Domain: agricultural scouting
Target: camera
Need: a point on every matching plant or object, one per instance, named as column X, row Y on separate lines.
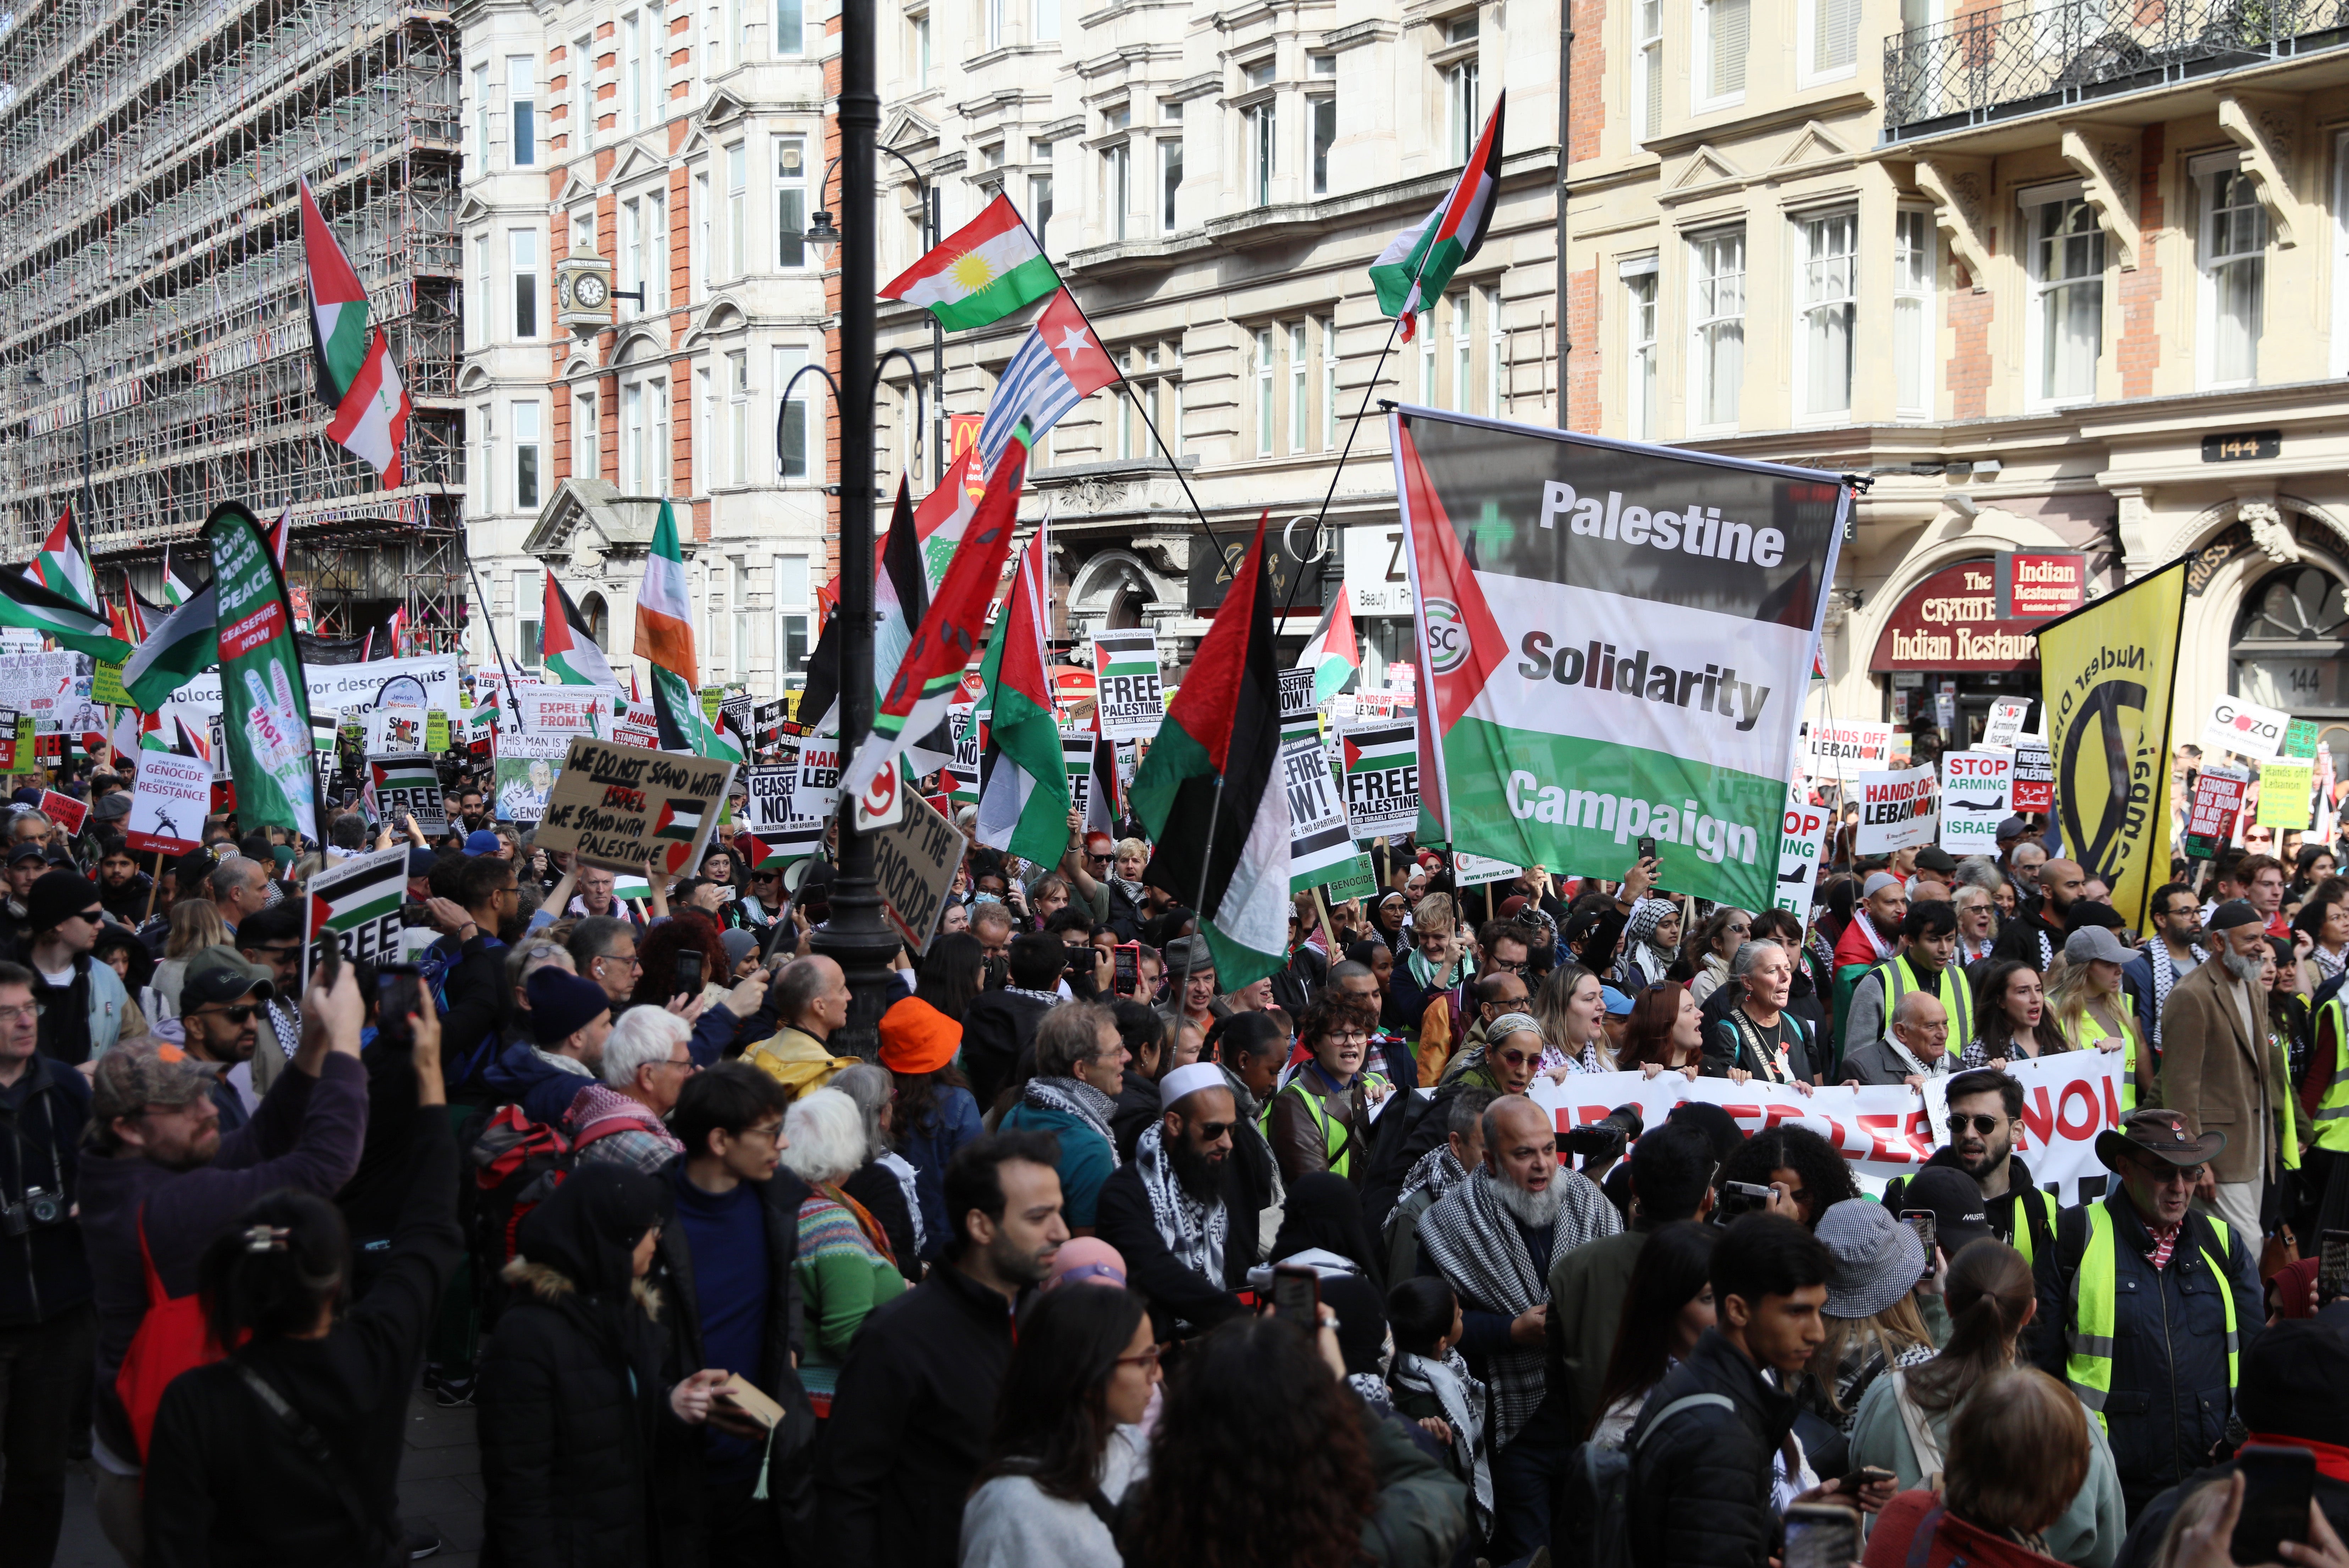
column 1605, row 1138
column 39, row 1206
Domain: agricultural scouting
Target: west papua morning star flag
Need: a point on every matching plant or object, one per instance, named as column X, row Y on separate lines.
column 1058, row 364
column 1418, row 262
column 1615, row 641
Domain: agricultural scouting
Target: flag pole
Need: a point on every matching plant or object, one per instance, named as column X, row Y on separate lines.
column 492, row 623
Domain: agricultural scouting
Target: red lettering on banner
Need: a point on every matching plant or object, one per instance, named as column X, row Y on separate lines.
column 2112, row 1103
column 2038, row 1119
column 1774, row 1114
column 2089, row 1124
column 1887, row 1139
column 1742, row 1114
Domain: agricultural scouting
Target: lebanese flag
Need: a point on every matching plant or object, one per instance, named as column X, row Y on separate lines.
column 372, row 421
column 1211, row 793
column 338, row 307
column 568, row 651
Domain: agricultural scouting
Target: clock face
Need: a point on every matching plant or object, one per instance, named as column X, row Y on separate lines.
column 589, row 291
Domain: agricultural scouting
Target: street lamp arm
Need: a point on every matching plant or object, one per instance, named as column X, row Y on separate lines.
column 783, row 403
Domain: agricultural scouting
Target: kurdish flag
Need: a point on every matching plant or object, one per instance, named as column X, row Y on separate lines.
column 338, row 306
column 355, row 902
column 1023, row 806
column 981, row 272
column 62, row 565
column 25, row 603
column 371, row 422
column 951, row 629
column 1332, row 652
column 569, row 653
column 1419, row 261
column 175, row 652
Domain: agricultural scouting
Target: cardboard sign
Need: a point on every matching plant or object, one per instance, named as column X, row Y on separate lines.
column 2285, row 794
column 1800, row 841
column 2219, row 791
column 2245, row 728
column 1974, row 789
column 1899, row 809
column 817, row 794
column 523, row 777
column 2033, row 787
column 1846, row 750
column 410, row 783
column 913, row 864
column 621, row 807
column 168, row 803
column 1381, row 773
column 1126, row 688
column 64, row 811
column 1319, row 839
column 355, row 904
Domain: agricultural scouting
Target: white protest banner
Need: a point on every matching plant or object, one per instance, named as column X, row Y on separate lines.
column 621, row 806
column 2033, row 787
column 1799, row 843
column 1319, row 841
column 1846, row 750
column 410, row 784
column 817, row 794
column 390, row 730
column 527, row 766
column 2245, row 728
column 357, row 902
column 1974, row 787
column 1131, row 701
column 1475, row 871
column 1898, row 809
column 431, row 681
column 569, row 710
column 2005, row 726
column 1382, row 763
column 168, row 802
column 772, row 790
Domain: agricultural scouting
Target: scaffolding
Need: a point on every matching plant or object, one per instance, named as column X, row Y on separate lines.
column 150, row 244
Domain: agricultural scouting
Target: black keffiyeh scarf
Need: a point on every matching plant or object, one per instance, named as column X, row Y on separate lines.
column 1194, row 1232
column 1075, row 1097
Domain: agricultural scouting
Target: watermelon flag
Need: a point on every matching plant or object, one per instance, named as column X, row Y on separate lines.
column 950, row 632
column 665, row 638
column 371, row 422
column 1332, row 652
column 338, row 306
column 76, row 625
column 570, row 653
column 1023, row 806
column 62, row 565
column 1419, row 261
column 1058, row 364
column 1211, row 793
column 175, row 652
column 981, row 272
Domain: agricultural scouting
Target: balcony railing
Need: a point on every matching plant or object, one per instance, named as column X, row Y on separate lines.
column 1999, row 61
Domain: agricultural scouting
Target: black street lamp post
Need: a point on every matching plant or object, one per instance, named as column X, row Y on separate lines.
column 822, row 236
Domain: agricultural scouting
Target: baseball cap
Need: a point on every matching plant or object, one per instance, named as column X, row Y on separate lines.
column 479, row 842
column 219, row 974
column 420, row 863
column 130, row 1077
column 1959, row 1216
column 1618, row 1006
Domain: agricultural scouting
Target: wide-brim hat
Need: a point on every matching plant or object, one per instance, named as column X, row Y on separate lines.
column 2160, row 1133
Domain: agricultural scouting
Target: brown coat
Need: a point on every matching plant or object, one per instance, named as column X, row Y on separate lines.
column 2212, row 1075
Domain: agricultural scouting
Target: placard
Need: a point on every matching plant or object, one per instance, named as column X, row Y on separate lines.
column 10, row 722
column 1381, row 769
column 106, row 687
column 1360, row 881
column 523, row 775
column 2300, row 740
column 1126, row 690
column 64, row 811
column 913, row 865
column 637, row 723
column 410, row 783
column 817, row 794
column 51, row 688
column 2005, row 726
column 168, row 803
column 2285, row 794
column 622, row 807
column 569, row 710
column 1318, row 838
column 1296, row 695
column 2245, row 728
column 1475, row 871
column 1800, row 841
column 356, row 903
column 772, row 790
column 436, row 731
column 1846, row 749
column 1077, row 758
column 1899, row 809
column 1975, row 790
column 2033, row 787
column 395, row 731
column 2219, row 791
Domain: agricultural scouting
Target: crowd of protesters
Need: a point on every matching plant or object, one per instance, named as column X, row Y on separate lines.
column 1067, row 1252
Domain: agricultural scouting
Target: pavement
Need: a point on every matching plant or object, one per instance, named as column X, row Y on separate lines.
column 440, row 1490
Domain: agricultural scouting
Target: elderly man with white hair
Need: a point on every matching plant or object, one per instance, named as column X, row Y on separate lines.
column 621, row 1121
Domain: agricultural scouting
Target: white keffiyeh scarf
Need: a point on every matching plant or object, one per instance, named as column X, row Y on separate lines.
column 1075, row 1097
column 1436, row 1173
column 2165, row 975
column 1466, row 1403
column 1194, row 1232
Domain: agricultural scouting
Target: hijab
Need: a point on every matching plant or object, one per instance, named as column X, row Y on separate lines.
column 1324, row 1211
column 587, row 1232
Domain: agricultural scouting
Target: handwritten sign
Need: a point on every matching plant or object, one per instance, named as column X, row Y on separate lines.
column 621, row 807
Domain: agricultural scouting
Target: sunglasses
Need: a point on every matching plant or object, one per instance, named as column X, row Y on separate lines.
column 1985, row 1125
column 236, row 1014
column 1209, row 1131
column 1517, row 1059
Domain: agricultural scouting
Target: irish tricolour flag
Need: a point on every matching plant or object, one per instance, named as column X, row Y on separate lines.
column 1419, row 261
column 981, row 272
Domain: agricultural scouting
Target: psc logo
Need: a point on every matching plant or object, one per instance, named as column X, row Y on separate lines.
column 2227, row 716
column 1447, row 636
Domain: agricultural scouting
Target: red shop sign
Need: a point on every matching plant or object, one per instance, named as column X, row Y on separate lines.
column 1950, row 622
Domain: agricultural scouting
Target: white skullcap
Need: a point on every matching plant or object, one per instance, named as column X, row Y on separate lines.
column 1188, row 1080
column 1878, row 882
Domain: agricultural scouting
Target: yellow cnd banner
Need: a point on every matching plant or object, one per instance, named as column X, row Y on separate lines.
column 2106, row 672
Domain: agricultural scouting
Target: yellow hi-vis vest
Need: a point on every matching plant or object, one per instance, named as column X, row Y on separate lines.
column 2095, row 1312
column 2025, row 1200
column 2092, row 1034
column 1956, row 996
column 1334, row 1136
column 2332, row 1114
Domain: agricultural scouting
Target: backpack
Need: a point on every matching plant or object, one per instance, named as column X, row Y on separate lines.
column 518, row 1164
column 1593, row 1524
column 173, row 1338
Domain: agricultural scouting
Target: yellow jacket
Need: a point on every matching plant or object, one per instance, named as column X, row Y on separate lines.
column 796, row 1059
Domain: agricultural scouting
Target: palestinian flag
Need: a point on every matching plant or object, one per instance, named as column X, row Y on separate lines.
column 1102, row 803
column 679, row 819
column 175, row 593
column 155, row 734
column 1332, row 652
column 338, row 306
column 371, row 421
column 62, row 565
column 819, row 704
column 931, row 671
column 1023, row 804
column 175, row 652
column 981, row 272
column 279, row 535
column 570, row 654
column 26, row 602
column 1418, row 262
column 1211, row 794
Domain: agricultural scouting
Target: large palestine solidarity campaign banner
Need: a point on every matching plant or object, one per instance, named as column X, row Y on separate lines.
column 1615, row 642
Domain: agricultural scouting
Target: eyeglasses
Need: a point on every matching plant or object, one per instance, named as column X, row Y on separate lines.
column 1146, row 1358
column 1985, row 1125
column 2162, row 1173
column 1343, row 1035
column 26, row 1012
column 687, row 1063
column 1517, row 1059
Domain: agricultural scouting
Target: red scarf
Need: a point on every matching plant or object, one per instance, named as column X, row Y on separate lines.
column 2332, row 1460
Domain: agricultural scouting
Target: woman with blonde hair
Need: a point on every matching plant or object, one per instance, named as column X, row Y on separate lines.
column 196, row 925
column 2084, row 998
column 1571, row 1007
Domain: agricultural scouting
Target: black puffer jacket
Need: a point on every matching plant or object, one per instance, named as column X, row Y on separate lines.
column 1700, row 1486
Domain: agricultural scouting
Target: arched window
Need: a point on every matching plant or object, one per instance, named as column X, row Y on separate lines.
column 2292, row 651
